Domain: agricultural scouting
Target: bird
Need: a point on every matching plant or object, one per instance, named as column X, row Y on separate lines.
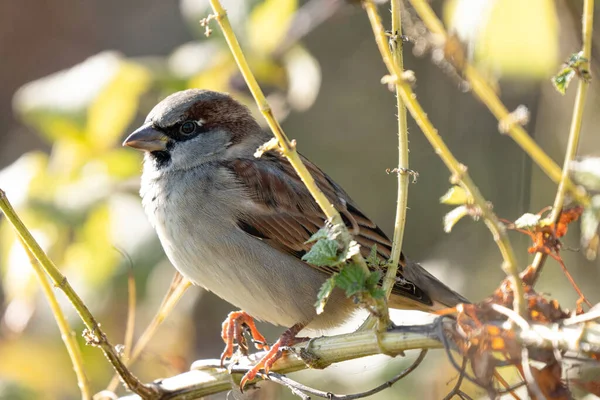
column 238, row 225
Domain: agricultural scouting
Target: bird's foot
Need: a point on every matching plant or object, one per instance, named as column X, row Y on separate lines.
column 287, row 339
column 233, row 332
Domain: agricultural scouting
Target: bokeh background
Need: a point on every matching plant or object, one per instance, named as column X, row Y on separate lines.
column 76, row 77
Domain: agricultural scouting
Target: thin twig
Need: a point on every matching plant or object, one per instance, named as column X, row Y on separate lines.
column 95, row 336
column 487, row 95
column 66, row 333
column 130, row 326
column 177, row 288
column 403, row 178
column 296, row 386
column 575, row 130
column 461, row 375
column 287, row 147
column 458, row 170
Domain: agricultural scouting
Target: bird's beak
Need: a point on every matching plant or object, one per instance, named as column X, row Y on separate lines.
column 147, row 138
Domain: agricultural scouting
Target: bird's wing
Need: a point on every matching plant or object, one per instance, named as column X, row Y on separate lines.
column 284, row 214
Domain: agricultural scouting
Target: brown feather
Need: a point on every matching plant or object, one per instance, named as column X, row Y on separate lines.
column 286, row 215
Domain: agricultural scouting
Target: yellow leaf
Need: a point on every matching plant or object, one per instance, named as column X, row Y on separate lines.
column 92, row 255
column 215, row 78
column 116, row 105
column 456, row 195
column 513, row 37
column 268, row 25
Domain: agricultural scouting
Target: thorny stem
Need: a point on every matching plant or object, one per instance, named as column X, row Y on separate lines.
column 66, row 333
column 487, row 95
column 97, row 336
column 287, row 147
column 575, row 130
column 459, row 171
column 403, row 178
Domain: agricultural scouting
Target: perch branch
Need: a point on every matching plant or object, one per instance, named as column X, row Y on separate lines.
column 208, row 378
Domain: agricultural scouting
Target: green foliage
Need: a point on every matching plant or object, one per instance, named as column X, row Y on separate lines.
column 324, row 293
column 324, row 253
column 329, row 251
column 576, row 66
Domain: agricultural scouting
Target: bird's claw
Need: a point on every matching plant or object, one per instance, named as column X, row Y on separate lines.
column 233, row 332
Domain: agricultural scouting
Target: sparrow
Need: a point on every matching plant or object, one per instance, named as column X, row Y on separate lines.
column 238, row 225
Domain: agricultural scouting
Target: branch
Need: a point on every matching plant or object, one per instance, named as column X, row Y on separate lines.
column 403, row 176
column 487, row 95
column 459, row 171
column 94, row 335
column 208, row 378
column 575, row 130
column 66, row 333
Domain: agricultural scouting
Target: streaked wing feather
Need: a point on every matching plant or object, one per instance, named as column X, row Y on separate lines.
column 285, row 215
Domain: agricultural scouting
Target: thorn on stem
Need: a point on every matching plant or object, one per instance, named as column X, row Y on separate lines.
column 458, row 176
column 205, row 21
column 404, row 171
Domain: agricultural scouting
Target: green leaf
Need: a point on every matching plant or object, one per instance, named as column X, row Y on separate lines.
column 324, row 293
column 373, row 259
column 562, row 79
column 373, row 279
column 323, row 253
column 576, row 65
column 116, row 105
column 322, row 233
column 351, row 279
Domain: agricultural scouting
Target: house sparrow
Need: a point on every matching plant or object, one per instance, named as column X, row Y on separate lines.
column 237, row 225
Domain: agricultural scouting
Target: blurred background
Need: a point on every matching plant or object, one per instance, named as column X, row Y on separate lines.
column 77, row 77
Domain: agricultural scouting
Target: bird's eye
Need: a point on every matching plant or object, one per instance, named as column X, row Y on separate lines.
column 188, row 128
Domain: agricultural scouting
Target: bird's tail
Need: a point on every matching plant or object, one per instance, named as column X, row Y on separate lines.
column 440, row 294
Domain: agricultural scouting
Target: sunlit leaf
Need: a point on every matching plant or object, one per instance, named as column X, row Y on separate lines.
column 586, row 172
column 268, row 24
column 116, row 105
column 451, row 218
column 324, row 293
column 215, row 78
column 92, row 254
column 577, row 65
column 56, row 105
column 456, row 195
column 511, row 37
column 323, row 253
